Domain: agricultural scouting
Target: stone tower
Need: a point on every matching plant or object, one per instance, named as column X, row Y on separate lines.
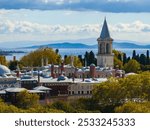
column 105, row 57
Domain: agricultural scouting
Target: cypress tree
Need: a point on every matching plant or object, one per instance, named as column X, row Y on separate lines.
column 124, row 58
column 147, row 58
column 134, row 54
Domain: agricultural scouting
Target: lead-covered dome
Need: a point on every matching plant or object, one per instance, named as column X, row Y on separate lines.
column 61, row 78
column 4, row 70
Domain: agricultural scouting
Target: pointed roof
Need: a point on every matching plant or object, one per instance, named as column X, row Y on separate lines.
column 105, row 31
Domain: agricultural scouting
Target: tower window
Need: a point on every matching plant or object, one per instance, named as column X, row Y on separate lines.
column 100, row 48
column 107, row 48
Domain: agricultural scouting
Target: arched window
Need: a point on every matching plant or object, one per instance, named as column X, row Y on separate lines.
column 100, row 48
column 107, row 48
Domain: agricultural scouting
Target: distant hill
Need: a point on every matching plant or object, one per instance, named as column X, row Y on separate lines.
column 129, row 45
column 64, row 45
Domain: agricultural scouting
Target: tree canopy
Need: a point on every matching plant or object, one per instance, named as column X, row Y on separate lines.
column 3, row 60
column 76, row 61
column 118, row 91
column 132, row 66
column 35, row 58
column 26, row 100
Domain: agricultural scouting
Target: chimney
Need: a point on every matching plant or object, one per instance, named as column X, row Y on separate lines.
column 17, row 74
column 72, row 60
column 92, row 71
column 62, row 67
column 18, row 71
column 14, row 58
column 73, row 76
column 38, row 76
column 32, row 72
column 42, row 62
column 83, row 76
column 46, row 62
column 52, row 70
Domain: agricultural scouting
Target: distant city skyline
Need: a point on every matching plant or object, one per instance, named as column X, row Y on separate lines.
column 69, row 20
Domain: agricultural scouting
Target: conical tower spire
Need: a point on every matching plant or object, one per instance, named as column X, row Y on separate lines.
column 105, row 31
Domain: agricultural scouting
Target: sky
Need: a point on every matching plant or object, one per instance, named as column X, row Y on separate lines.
column 73, row 20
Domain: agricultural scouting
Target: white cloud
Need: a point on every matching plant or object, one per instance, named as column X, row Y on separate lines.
column 8, row 26
column 135, row 27
column 59, row 2
column 34, row 31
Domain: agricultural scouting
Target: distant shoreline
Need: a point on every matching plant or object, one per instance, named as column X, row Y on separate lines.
column 9, row 53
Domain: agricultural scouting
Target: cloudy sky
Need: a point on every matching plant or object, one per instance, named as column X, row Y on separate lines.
column 68, row 20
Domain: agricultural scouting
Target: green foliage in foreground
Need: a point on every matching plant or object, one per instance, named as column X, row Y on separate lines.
column 130, row 88
column 133, row 107
column 26, row 100
column 129, row 94
column 6, row 108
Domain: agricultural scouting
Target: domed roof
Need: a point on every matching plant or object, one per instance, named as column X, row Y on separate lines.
column 92, row 64
column 4, row 70
column 61, row 77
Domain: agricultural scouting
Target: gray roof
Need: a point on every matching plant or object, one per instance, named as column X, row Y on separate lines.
column 15, row 90
column 105, row 31
column 36, row 91
column 42, row 88
column 2, row 92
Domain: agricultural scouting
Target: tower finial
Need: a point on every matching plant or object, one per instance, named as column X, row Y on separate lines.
column 105, row 32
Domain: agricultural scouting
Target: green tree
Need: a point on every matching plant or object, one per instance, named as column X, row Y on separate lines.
column 3, row 60
column 5, row 108
column 64, row 106
column 118, row 63
column 85, row 105
column 115, row 92
column 13, row 65
column 76, row 61
column 142, row 59
column 86, row 58
column 124, row 58
column 133, row 107
column 134, row 54
column 34, row 58
column 147, row 58
column 26, row 100
column 110, row 92
column 92, row 59
column 132, row 66
column 118, row 59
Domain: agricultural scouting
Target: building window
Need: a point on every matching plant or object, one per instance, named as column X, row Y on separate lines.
column 78, row 92
column 69, row 93
column 82, row 92
column 87, row 92
column 72, row 92
column 107, row 48
column 100, row 48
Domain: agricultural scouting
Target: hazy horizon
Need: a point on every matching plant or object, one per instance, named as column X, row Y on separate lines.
column 91, row 41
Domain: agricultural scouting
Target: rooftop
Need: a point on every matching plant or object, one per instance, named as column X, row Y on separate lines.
column 105, row 31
